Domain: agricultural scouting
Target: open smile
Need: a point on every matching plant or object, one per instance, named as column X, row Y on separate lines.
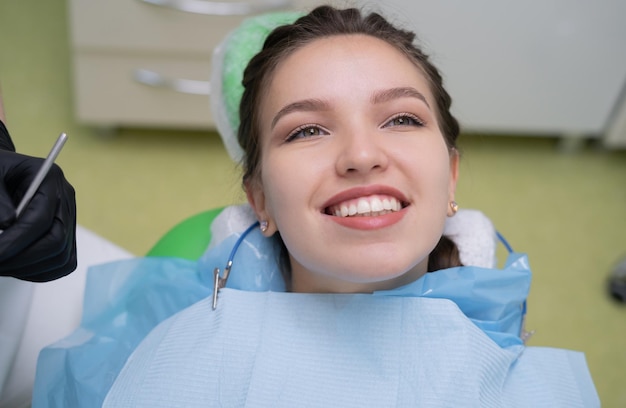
column 369, row 206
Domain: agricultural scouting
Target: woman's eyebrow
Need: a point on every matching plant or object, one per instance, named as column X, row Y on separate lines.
column 396, row 93
column 306, row 105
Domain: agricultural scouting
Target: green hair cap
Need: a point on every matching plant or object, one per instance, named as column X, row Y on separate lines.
column 230, row 59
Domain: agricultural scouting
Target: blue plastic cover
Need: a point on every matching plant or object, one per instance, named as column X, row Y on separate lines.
column 126, row 300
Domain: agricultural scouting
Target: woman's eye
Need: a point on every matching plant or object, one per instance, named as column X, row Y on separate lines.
column 404, row 120
column 306, row 131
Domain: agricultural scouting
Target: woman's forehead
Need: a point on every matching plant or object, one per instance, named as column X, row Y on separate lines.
column 354, row 63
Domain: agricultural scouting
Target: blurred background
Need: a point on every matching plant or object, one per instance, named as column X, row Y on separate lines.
column 140, row 164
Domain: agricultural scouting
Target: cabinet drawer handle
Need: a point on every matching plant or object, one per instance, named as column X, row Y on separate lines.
column 156, row 80
column 219, row 8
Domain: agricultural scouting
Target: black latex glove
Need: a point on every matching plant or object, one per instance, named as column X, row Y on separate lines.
column 41, row 244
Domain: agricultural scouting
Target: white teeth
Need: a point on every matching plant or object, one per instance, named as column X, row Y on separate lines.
column 376, row 204
column 363, row 206
column 370, row 206
column 395, row 205
column 352, row 210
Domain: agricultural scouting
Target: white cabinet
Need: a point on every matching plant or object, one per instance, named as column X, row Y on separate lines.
column 615, row 136
column 530, row 67
column 148, row 62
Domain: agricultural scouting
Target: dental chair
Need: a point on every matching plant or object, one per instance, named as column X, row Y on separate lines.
column 33, row 316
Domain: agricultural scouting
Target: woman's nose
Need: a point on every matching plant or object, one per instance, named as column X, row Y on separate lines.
column 361, row 153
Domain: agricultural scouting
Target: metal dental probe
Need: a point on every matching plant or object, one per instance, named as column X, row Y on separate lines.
column 41, row 174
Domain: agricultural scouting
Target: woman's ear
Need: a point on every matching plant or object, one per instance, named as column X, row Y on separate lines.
column 454, row 173
column 256, row 199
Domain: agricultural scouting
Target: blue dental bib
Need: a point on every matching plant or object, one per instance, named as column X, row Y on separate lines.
column 149, row 337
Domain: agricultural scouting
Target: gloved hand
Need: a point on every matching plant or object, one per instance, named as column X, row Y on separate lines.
column 41, row 244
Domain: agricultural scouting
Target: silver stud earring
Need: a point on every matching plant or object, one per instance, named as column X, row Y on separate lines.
column 264, row 225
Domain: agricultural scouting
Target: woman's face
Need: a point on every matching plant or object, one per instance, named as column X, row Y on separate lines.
column 355, row 174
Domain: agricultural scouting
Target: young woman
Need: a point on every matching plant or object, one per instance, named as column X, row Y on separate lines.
column 350, row 167
column 350, row 152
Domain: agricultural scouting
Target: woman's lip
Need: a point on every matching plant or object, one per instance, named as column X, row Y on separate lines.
column 364, row 191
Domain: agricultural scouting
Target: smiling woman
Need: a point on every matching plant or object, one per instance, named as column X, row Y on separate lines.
column 364, row 134
column 348, row 293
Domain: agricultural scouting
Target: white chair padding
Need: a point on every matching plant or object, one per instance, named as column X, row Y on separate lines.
column 47, row 312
